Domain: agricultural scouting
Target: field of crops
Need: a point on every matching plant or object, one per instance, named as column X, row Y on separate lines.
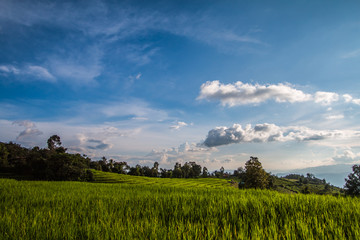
column 144, row 208
column 106, row 177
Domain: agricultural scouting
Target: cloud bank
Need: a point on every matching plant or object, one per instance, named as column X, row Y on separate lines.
column 240, row 93
column 29, row 132
column 270, row 133
column 243, row 93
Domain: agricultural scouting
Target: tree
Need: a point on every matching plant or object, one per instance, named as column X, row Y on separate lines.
column 3, row 156
column 195, row 170
column 120, row 167
column 104, row 164
column 155, row 170
column 54, row 143
column 255, row 175
column 239, row 173
column 352, row 184
column 177, row 172
column 222, row 170
column 205, row 172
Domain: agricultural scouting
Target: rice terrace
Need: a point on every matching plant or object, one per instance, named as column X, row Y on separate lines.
column 183, row 209
column 110, row 204
column 178, row 119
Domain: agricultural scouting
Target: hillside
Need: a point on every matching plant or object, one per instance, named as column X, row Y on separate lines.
column 106, row 177
column 286, row 185
column 283, row 185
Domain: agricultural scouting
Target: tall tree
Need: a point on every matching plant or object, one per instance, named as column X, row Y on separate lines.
column 255, row 175
column 205, row 172
column 54, row 143
column 352, row 184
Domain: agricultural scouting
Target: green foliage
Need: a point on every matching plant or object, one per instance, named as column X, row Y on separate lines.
column 105, row 177
column 75, row 210
column 352, row 184
column 54, row 142
column 255, row 175
column 43, row 164
column 295, row 183
column 3, row 156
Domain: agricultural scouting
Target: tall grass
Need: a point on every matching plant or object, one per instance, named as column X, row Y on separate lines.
column 74, row 210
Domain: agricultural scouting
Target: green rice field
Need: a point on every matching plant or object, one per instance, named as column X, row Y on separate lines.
column 127, row 207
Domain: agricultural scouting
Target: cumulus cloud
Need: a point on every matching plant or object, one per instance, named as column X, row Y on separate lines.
column 184, row 153
column 244, row 93
column 168, row 157
column 239, row 93
column 347, row 156
column 29, row 132
column 326, row 98
column 269, row 133
column 178, row 125
column 349, row 99
column 100, row 139
column 87, row 143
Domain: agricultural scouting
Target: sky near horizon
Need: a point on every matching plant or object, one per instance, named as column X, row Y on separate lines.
column 174, row 81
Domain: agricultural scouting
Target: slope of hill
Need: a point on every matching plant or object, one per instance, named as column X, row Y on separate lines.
column 282, row 185
column 285, row 185
column 107, row 177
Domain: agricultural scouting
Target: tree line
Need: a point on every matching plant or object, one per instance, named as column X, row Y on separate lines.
column 54, row 163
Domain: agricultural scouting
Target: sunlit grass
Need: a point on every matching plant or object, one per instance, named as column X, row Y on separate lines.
column 160, row 210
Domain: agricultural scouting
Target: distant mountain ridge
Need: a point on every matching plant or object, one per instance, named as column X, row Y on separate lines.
column 334, row 174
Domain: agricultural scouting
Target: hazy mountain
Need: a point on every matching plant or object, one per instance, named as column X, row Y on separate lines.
column 334, row 174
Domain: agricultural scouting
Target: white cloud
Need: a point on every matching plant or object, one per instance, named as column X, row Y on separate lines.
column 347, row 156
column 139, row 54
column 138, row 76
column 138, row 109
column 178, row 125
column 40, row 72
column 140, row 118
column 349, row 99
column 239, row 93
column 96, row 140
column 37, row 72
column 326, row 98
column 78, row 68
column 335, row 117
column 9, row 69
column 243, row 93
column 132, row 79
column 271, row 133
column 29, row 132
column 186, row 152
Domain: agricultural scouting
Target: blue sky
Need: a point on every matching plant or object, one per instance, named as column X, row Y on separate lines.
column 172, row 81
